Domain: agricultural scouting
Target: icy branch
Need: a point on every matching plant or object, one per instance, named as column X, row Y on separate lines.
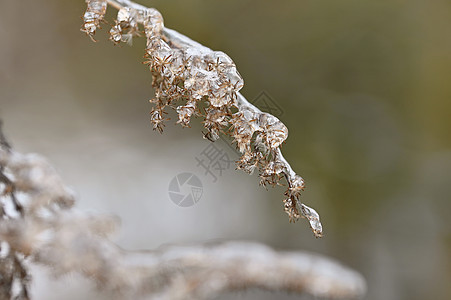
column 185, row 73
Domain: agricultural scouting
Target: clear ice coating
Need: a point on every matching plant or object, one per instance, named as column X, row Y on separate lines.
column 185, row 73
column 248, row 121
column 125, row 15
column 116, row 33
column 185, row 112
column 296, row 185
column 152, row 21
column 126, row 26
column 275, row 131
column 93, row 16
column 273, row 168
column 312, row 216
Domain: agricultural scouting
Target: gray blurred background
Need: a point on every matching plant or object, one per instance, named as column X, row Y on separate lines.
column 364, row 88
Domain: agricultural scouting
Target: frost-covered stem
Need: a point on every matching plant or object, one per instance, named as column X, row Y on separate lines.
column 52, row 233
column 309, row 213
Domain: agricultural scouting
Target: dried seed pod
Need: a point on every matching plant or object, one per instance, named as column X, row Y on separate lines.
column 157, row 119
column 126, row 26
column 94, row 14
column 271, row 173
column 291, row 209
column 153, row 25
column 297, row 185
column 275, row 132
column 249, row 162
column 215, row 120
column 185, row 112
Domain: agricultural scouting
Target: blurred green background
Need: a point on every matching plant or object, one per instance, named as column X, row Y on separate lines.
column 365, row 89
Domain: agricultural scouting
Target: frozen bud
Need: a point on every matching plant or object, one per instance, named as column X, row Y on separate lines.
column 156, row 118
column 177, row 63
column 248, row 162
column 153, row 23
column 244, row 126
column 273, row 167
column 216, row 116
column 297, row 185
column 160, row 58
column 270, row 173
column 275, row 131
column 126, row 25
column 215, row 119
column 124, row 15
column 243, row 142
column 152, row 44
column 243, row 137
column 199, row 83
column 218, row 101
column 161, row 50
column 291, row 209
column 94, row 14
column 228, row 71
column 210, row 76
column 185, row 112
column 195, row 60
column 116, row 34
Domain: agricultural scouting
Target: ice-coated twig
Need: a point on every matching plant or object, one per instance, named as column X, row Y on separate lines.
column 186, row 73
column 50, row 231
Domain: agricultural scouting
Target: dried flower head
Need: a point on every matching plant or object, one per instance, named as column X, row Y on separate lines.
column 93, row 16
column 126, row 26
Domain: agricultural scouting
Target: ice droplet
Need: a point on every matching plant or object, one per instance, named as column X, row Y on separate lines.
column 312, row 216
column 276, row 132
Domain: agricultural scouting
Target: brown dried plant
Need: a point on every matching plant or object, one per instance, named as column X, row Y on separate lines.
column 185, row 73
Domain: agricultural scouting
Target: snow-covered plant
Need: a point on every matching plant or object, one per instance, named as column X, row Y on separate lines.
column 40, row 225
column 186, row 74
